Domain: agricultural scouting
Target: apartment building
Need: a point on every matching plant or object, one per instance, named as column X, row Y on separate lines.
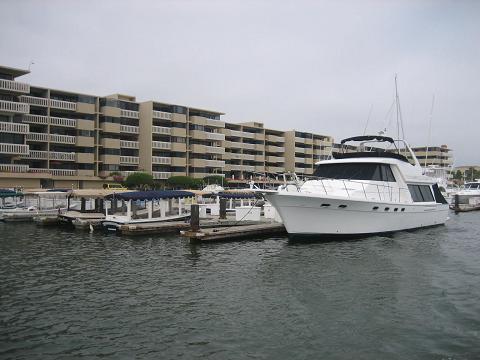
column 303, row 150
column 57, row 138
column 434, row 155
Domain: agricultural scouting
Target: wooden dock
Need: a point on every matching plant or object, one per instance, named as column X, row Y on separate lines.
column 228, row 233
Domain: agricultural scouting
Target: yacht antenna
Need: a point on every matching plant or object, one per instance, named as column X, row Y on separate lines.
column 396, row 105
column 399, row 114
column 368, row 119
column 429, row 129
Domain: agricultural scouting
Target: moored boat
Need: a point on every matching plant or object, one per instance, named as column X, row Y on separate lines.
column 362, row 193
column 467, row 199
column 37, row 203
column 146, row 207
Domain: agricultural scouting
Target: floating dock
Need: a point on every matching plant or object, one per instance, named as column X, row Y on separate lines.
column 228, row 233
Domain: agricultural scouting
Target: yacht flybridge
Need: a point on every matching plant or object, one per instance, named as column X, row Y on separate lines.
column 374, row 190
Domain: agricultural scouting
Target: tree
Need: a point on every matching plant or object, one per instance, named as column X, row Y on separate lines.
column 458, row 175
column 183, row 182
column 139, row 180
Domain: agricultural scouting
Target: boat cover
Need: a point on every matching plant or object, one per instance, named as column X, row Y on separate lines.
column 238, row 195
column 368, row 138
column 151, row 195
column 4, row 193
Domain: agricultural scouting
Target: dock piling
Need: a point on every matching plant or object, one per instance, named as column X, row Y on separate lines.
column 223, row 208
column 195, row 217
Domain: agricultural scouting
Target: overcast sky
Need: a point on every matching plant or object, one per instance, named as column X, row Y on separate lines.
column 316, row 66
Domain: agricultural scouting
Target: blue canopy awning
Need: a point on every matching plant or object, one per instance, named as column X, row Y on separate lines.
column 238, row 195
column 150, row 195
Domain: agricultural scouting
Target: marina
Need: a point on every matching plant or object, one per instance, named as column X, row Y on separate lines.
column 63, row 291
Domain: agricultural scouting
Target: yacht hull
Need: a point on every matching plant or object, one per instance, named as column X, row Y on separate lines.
column 305, row 214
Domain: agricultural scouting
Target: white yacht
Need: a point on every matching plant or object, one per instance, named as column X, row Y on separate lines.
column 468, row 199
column 362, row 193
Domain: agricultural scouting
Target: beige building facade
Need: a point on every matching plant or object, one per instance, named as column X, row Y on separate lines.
column 56, row 138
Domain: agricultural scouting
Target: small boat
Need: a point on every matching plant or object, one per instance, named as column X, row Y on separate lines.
column 372, row 191
column 85, row 207
column 146, row 207
column 467, row 199
column 37, row 203
column 10, row 199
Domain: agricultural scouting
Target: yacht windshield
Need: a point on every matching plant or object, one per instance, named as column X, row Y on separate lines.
column 356, row 171
column 473, row 186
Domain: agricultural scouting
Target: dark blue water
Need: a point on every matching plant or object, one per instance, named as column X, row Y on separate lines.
column 66, row 294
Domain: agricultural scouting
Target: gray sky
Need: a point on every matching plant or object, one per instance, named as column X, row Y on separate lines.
column 310, row 65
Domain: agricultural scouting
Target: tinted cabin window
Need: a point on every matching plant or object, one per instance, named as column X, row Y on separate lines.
column 421, row 193
column 353, row 171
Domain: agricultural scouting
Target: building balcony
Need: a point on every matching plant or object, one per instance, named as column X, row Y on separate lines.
column 13, row 168
column 161, row 145
column 63, row 139
column 129, row 160
column 214, row 163
column 128, row 144
column 233, row 145
column 65, row 105
column 14, row 107
column 129, row 114
column 34, row 100
column 214, row 150
column 62, row 156
column 52, row 155
column 58, row 121
column 63, row 172
column 39, row 170
column 275, row 159
column 35, row 119
column 161, row 130
column 248, row 157
column 14, row 149
column 161, row 175
column 37, row 137
column 248, row 146
column 236, row 167
column 13, row 128
column 275, row 138
column 129, row 129
column 14, row 86
column 234, row 156
column 162, row 160
column 214, row 136
column 275, row 169
column 125, row 174
column 36, row 155
column 277, row 149
column 215, row 123
column 162, row 115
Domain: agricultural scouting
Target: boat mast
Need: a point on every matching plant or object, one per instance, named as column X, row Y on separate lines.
column 429, row 129
column 399, row 115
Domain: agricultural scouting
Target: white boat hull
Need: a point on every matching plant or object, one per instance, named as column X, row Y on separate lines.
column 307, row 214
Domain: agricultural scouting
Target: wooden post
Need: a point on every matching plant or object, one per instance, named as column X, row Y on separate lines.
column 101, row 205
column 457, row 202
column 223, row 208
column 129, row 209
column 195, row 217
column 134, row 209
column 82, row 204
column 150, row 208
column 68, row 203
